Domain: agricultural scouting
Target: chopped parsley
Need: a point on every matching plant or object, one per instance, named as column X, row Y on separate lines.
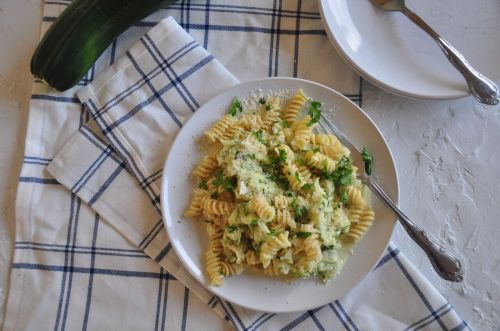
column 232, row 228
column 315, row 150
column 282, row 156
column 368, row 159
column 303, row 234
column 273, row 232
column 307, row 186
column 214, row 195
column 268, row 107
column 203, row 185
column 301, row 213
column 285, row 124
column 344, row 198
column 314, row 112
column 252, row 156
column 297, row 175
column 259, row 136
column 262, row 101
column 228, row 183
column 342, row 175
column 254, row 222
column 235, row 107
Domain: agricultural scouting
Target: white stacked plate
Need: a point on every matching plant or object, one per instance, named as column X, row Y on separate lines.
column 390, row 51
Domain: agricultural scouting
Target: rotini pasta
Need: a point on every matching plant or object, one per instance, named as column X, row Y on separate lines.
column 277, row 197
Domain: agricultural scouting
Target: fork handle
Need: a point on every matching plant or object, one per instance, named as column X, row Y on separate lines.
column 482, row 88
column 443, row 261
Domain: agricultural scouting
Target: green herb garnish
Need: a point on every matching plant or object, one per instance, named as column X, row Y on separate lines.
column 235, row 107
column 254, row 222
column 203, row 185
column 297, row 175
column 301, row 212
column 262, row 101
column 368, row 159
column 303, row 234
column 259, row 136
column 285, row 124
column 282, row 156
column 268, row 107
column 314, row 112
column 307, row 186
column 344, row 197
column 214, row 195
column 232, row 228
column 315, row 150
column 342, row 175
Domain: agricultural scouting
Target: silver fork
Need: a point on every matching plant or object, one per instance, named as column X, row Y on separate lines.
column 444, row 262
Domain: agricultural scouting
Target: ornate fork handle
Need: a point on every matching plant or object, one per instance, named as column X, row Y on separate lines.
column 443, row 261
column 482, row 88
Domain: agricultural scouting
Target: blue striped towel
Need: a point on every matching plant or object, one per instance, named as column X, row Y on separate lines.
column 91, row 250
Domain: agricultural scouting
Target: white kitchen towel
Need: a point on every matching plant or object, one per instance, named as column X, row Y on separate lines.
column 139, row 104
column 76, row 269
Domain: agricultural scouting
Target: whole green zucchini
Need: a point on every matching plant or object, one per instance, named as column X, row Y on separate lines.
column 81, row 34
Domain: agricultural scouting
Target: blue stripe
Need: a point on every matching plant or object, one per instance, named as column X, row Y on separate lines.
column 63, row 282
column 461, row 326
column 91, row 277
column 165, row 301
column 297, row 29
column 41, row 159
column 72, row 263
column 426, row 318
column 416, row 288
column 152, row 74
column 36, row 162
column 86, row 270
column 124, row 153
column 185, row 308
column 258, row 319
column 341, row 318
column 316, row 321
column 54, row 98
column 385, row 259
column 55, row 250
column 263, row 321
column 150, row 236
column 297, row 321
column 152, row 178
column 97, row 142
column 433, row 320
column 164, row 252
column 278, row 28
column 346, row 315
column 156, row 96
column 107, row 183
column 162, row 62
column 78, row 247
column 271, row 45
column 158, row 300
column 36, row 180
column 91, row 170
column 235, row 314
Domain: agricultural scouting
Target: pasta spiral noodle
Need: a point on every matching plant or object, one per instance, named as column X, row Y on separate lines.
column 302, row 134
column 262, row 208
column 320, row 161
column 357, row 230
column 281, row 202
column 206, row 167
column 283, row 219
column 294, row 107
column 271, row 246
column 217, row 131
column 289, row 154
column 223, row 208
column 355, row 197
column 250, row 122
column 272, row 269
column 194, row 209
column 294, row 177
column 229, row 269
column 251, row 257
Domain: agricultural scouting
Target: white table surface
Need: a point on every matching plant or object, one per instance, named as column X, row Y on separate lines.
column 446, row 152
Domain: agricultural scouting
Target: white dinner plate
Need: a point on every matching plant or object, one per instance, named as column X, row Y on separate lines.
column 390, row 51
column 260, row 292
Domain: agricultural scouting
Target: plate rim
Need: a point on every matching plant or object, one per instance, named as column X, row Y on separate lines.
column 372, row 79
column 163, row 193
